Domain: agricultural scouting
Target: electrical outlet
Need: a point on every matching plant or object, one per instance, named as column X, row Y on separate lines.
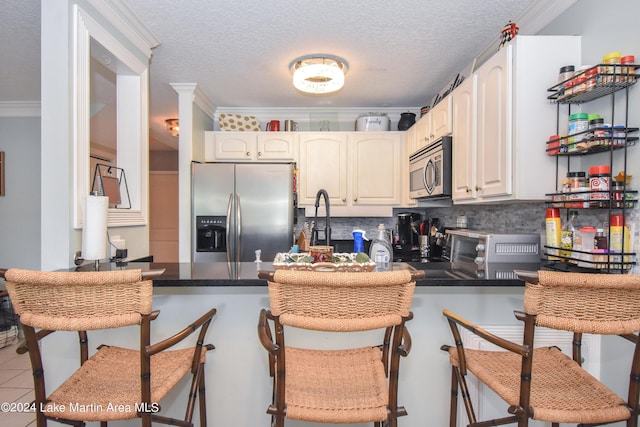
column 121, row 253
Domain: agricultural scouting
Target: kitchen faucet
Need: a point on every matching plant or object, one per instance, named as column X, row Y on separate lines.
column 327, row 225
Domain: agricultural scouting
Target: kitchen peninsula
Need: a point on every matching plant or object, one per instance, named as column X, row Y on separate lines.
column 238, row 383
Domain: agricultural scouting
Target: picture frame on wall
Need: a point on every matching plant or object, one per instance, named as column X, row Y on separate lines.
column 1, row 173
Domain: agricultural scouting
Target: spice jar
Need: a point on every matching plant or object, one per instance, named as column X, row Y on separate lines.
column 596, row 128
column 599, row 179
column 552, row 145
column 617, row 194
column 619, row 135
column 628, row 71
column 591, row 76
column 577, row 188
column 600, row 240
column 578, row 125
column 566, row 73
column 608, row 70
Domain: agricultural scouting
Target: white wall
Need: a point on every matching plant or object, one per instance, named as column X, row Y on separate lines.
column 20, row 207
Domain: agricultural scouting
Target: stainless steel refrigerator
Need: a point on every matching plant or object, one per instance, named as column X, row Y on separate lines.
column 239, row 208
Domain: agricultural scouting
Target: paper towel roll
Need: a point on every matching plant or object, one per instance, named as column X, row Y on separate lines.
column 94, row 231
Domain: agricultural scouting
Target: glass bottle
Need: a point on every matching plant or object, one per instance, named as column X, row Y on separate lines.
column 568, row 236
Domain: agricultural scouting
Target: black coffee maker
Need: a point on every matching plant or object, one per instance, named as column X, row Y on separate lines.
column 408, row 228
column 407, row 247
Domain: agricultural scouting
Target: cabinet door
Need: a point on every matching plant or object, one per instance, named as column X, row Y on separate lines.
column 275, row 146
column 323, row 165
column 235, row 146
column 376, row 177
column 464, row 142
column 410, row 140
column 440, row 120
column 493, row 144
column 423, row 131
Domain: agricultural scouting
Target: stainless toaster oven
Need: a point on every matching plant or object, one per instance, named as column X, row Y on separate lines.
column 482, row 252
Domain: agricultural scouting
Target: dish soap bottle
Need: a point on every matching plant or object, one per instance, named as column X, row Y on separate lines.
column 380, row 251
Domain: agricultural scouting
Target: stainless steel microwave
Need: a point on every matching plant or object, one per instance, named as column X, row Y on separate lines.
column 430, row 171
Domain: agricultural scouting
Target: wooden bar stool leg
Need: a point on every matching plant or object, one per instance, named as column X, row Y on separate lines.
column 202, row 398
column 453, row 409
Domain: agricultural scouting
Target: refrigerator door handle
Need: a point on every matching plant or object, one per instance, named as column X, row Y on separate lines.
column 238, row 227
column 228, row 228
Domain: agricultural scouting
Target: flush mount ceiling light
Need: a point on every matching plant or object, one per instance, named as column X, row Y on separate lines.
column 172, row 127
column 318, row 74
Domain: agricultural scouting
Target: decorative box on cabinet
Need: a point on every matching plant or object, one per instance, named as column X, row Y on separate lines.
column 509, row 118
column 249, row 146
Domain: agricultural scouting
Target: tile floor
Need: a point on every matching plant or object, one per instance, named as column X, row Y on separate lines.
column 16, row 385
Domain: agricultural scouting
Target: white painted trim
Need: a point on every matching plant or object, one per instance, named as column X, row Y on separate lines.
column 530, row 22
column 199, row 98
column 125, row 21
column 19, row 108
column 133, row 134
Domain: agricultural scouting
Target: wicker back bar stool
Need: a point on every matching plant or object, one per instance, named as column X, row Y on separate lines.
column 115, row 383
column 352, row 385
column 543, row 383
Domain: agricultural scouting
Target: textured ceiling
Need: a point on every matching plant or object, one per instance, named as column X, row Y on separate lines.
column 400, row 52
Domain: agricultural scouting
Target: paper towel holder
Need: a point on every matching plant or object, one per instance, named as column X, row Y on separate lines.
column 78, row 260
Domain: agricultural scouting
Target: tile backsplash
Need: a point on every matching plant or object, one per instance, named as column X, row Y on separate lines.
column 514, row 217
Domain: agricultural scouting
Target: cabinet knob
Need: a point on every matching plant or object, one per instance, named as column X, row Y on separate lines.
column 259, row 153
column 478, row 188
column 467, row 189
column 355, row 199
column 248, row 154
column 344, row 200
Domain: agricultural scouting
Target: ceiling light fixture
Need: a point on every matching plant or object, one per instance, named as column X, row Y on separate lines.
column 172, row 127
column 318, row 74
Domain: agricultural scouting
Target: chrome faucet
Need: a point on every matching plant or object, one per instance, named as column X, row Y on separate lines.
column 327, row 225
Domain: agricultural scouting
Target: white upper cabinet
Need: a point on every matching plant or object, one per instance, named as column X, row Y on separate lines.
column 376, row 173
column 422, row 132
column 323, row 165
column 464, row 165
column 433, row 125
column 440, row 120
column 249, row 146
column 361, row 171
column 493, row 144
column 502, row 119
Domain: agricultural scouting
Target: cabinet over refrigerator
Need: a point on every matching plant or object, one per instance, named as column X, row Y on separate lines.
column 239, row 208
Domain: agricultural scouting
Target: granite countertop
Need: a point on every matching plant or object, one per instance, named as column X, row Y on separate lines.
column 246, row 273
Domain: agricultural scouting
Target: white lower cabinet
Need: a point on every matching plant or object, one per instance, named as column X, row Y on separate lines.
column 249, row 146
column 361, row 171
column 501, row 120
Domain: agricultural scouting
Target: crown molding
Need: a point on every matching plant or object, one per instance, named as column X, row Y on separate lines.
column 530, row 22
column 126, row 22
column 199, row 98
column 20, row 109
